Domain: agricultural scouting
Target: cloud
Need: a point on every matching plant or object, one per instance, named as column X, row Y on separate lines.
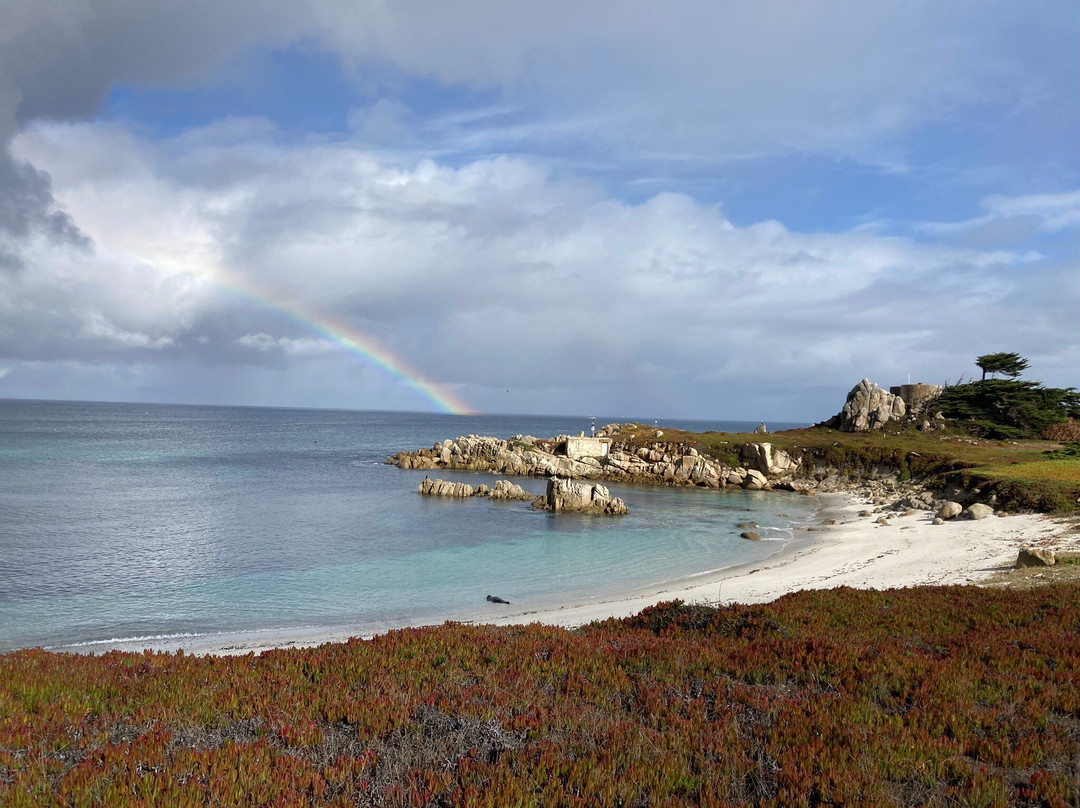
column 60, row 58
column 4, row 372
column 498, row 274
column 98, row 327
column 1050, row 213
column 291, row 347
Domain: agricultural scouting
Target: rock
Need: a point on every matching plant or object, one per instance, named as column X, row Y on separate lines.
column 978, row 511
column 829, row 521
column 736, row 476
column 881, row 520
column 755, row 481
column 866, row 513
column 746, row 525
column 924, row 426
column 504, row 489
column 444, row 488
column 659, row 433
column 481, row 491
column 869, row 407
column 566, row 495
column 1033, row 557
column 950, row 510
column 769, row 461
column 909, row 512
column 761, row 429
column 938, row 521
column 751, row 535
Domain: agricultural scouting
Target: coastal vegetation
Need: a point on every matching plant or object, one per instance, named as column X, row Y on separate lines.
column 931, row 696
column 1022, row 475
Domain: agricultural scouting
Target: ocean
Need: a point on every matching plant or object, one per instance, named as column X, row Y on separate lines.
column 143, row 522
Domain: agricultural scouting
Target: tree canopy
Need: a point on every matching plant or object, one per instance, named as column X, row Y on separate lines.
column 1007, row 364
column 1009, row 408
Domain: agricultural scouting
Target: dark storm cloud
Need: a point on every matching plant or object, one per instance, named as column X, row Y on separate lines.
column 60, row 58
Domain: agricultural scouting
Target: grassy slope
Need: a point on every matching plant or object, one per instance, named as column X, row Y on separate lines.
column 1019, row 471
column 947, row 696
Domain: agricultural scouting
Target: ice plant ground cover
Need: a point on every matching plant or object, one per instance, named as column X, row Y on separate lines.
column 931, row 696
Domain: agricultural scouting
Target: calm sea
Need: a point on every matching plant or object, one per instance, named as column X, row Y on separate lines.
column 122, row 521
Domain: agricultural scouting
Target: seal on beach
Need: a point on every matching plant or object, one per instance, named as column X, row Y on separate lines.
column 495, row 599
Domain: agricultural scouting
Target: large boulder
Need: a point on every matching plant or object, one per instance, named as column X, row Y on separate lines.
column 566, row 495
column 978, row 511
column 769, row 461
column 1034, row 557
column 755, row 481
column 950, row 510
column 869, row 407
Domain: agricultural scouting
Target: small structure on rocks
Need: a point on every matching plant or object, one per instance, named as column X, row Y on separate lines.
column 916, row 396
column 580, row 447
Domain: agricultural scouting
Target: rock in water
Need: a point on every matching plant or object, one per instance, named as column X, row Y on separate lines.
column 751, row 535
column 755, row 481
column 444, row 488
column 566, row 495
column 504, row 489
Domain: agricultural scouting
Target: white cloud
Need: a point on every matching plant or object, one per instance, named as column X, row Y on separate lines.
column 4, row 372
column 305, row 346
column 1050, row 213
column 96, row 326
column 1053, row 211
column 495, row 275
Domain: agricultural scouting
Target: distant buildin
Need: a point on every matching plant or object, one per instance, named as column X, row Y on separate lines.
column 915, row 395
column 580, row 446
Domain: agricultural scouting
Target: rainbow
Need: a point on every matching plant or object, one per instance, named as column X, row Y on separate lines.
column 348, row 337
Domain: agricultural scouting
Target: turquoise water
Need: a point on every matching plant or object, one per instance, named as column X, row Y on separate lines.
column 136, row 520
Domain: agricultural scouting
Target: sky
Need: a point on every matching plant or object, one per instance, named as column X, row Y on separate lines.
column 694, row 209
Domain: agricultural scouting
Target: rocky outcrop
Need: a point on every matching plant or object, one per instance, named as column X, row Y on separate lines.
column 504, row 489
column 868, row 407
column 445, row 488
column 567, row 495
column 657, row 462
column 767, row 460
column 640, row 454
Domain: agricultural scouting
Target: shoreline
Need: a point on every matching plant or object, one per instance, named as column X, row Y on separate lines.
column 855, row 551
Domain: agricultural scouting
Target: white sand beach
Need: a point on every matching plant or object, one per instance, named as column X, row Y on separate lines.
column 856, row 552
